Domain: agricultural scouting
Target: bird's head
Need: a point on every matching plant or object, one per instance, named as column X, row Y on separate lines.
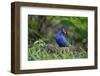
column 63, row 31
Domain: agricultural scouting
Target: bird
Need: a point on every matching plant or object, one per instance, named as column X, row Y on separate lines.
column 60, row 38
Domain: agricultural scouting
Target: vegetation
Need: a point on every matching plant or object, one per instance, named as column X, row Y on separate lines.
column 38, row 52
column 41, row 43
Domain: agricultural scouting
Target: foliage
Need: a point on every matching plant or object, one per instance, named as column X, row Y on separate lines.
column 37, row 53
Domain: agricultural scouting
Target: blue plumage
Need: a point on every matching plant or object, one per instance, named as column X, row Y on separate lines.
column 61, row 39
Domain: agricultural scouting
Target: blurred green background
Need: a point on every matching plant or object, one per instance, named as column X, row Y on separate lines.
column 41, row 32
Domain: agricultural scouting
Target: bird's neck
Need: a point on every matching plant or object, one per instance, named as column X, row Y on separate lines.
column 60, row 33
